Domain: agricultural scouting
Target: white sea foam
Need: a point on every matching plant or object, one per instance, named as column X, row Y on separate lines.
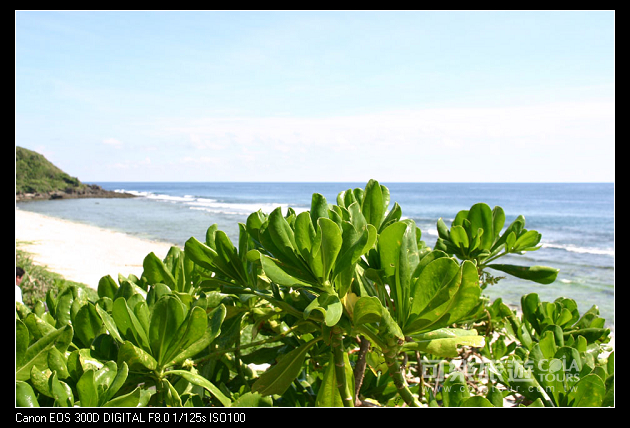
column 214, row 206
column 585, row 250
column 433, row 232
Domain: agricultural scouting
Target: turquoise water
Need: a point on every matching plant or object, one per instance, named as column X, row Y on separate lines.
column 576, row 221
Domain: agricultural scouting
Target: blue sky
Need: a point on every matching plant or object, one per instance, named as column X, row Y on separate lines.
column 318, row 95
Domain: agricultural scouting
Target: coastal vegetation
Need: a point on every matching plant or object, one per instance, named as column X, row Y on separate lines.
column 342, row 305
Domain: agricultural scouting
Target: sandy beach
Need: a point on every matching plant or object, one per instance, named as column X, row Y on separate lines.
column 81, row 252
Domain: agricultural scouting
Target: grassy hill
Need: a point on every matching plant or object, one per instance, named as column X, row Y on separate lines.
column 35, row 174
column 38, row 178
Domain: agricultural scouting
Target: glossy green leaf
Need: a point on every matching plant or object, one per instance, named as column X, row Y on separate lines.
column 167, row 315
column 407, row 262
column 201, row 254
column 81, row 360
column 175, row 263
column 527, row 241
column 107, row 287
column 495, row 396
column 65, row 299
column 24, row 395
column 389, row 242
column 250, row 399
column 109, row 323
column 170, row 395
column 529, row 305
column 480, row 217
column 498, row 220
column 39, row 380
column 454, row 390
column 433, row 278
column 156, row 272
column 442, row 228
column 128, row 324
column 445, row 342
column 389, row 330
column 539, row 274
column 116, row 383
column 203, row 382
column 367, row 310
column 278, row 274
column 550, row 375
column 305, row 237
column 189, row 332
column 215, row 320
column 139, row 397
column 451, row 303
column 355, row 243
column 282, row 237
column 129, row 289
column 514, row 229
column 230, row 261
column 373, row 206
column 86, row 388
column 329, row 305
column 459, row 238
column 57, row 363
column 135, row 357
column 330, row 245
column 37, row 353
column 476, row 401
column 104, row 376
column 87, row 324
column 356, row 217
column 61, row 392
column 21, row 342
column 319, row 208
column 548, row 345
column 425, row 259
column 278, row 377
column 392, row 216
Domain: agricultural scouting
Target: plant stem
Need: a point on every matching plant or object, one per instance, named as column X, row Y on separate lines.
column 229, row 288
column 359, row 368
column 420, row 374
column 492, row 258
column 399, row 380
column 340, row 368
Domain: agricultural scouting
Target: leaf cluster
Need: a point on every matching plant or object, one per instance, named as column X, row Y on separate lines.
column 321, row 308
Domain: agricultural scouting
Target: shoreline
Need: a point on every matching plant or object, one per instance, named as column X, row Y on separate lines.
column 80, row 252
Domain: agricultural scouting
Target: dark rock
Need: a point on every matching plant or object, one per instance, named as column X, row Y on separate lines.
column 88, row 191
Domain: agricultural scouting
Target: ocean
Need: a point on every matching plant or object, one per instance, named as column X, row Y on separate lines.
column 576, row 221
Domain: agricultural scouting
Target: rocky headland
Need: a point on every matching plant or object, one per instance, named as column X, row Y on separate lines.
column 36, row 178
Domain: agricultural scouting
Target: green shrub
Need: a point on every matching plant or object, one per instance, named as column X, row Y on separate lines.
column 331, row 307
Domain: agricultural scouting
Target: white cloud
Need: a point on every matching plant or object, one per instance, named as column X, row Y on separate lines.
column 444, row 143
column 128, row 164
column 407, row 128
column 113, row 142
column 200, row 160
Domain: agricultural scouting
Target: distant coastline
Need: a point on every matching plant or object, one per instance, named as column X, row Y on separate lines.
column 88, row 191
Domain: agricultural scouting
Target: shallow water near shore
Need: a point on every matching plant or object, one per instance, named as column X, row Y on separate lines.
column 576, row 221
